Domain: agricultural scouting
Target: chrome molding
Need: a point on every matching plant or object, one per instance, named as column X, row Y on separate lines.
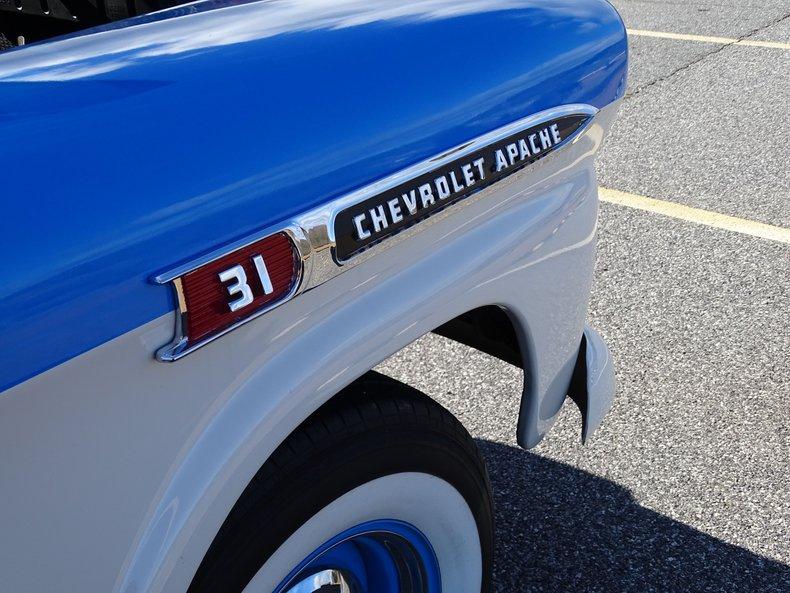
column 313, row 232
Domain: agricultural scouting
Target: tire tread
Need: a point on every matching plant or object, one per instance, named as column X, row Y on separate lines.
column 373, row 405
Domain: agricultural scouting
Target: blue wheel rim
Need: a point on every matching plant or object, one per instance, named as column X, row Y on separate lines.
column 382, row 556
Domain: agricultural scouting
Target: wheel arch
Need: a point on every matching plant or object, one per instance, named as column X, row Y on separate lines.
column 493, row 329
column 351, row 409
column 531, row 258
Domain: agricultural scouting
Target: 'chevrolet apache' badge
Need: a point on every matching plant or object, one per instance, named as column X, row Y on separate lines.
column 383, row 215
column 225, row 288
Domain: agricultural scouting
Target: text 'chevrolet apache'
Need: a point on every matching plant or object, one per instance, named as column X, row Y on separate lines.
column 398, row 208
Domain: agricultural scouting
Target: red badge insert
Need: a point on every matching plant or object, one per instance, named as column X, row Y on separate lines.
column 208, row 298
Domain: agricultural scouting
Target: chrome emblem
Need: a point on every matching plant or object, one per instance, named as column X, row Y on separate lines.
column 239, row 282
column 381, row 216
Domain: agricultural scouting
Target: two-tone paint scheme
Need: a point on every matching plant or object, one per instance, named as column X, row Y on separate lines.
column 134, row 150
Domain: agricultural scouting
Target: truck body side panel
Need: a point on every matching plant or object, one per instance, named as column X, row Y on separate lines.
column 140, row 145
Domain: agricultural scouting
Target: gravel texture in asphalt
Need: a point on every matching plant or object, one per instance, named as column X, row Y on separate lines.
column 713, row 135
column 718, row 18
column 686, row 486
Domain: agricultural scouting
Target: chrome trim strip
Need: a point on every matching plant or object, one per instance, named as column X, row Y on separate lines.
column 313, row 232
column 291, row 228
column 438, row 161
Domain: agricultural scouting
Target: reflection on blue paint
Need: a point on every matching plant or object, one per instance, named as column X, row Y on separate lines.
column 130, row 148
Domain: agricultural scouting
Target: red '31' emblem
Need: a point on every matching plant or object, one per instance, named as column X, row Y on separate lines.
column 225, row 291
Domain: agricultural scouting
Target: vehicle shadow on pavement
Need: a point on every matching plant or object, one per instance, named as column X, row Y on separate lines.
column 560, row 529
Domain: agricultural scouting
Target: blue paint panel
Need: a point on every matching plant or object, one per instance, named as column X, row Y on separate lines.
column 129, row 149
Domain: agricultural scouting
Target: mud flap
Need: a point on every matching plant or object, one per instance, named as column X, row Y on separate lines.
column 592, row 384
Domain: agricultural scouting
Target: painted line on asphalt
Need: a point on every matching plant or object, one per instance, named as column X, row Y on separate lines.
column 695, row 215
column 706, row 39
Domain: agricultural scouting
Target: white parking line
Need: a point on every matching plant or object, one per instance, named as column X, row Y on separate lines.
column 695, row 215
column 705, row 39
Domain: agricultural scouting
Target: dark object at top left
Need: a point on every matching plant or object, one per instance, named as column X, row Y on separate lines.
column 25, row 21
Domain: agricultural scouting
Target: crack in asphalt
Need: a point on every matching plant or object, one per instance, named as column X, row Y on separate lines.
column 705, row 56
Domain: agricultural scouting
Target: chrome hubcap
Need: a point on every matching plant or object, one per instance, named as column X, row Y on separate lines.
column 326, row 581
column 384, row 556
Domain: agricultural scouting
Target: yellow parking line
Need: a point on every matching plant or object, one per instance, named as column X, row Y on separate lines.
column 695, row 215
column 756, row 43
column 706, row 39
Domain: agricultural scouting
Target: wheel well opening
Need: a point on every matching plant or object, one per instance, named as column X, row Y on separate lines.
column 488, row 329
column 475, row 359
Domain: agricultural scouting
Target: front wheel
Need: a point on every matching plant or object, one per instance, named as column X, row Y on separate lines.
column 380, row 491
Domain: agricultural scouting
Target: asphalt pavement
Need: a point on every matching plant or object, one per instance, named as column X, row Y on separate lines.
column 686, row 486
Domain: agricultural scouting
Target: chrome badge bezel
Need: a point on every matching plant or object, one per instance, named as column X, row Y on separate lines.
column 180, row 346
column 313, row 232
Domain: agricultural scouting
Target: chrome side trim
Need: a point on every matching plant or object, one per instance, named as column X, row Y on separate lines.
column 291, row 228
column 324, row 217
column 313, row 232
